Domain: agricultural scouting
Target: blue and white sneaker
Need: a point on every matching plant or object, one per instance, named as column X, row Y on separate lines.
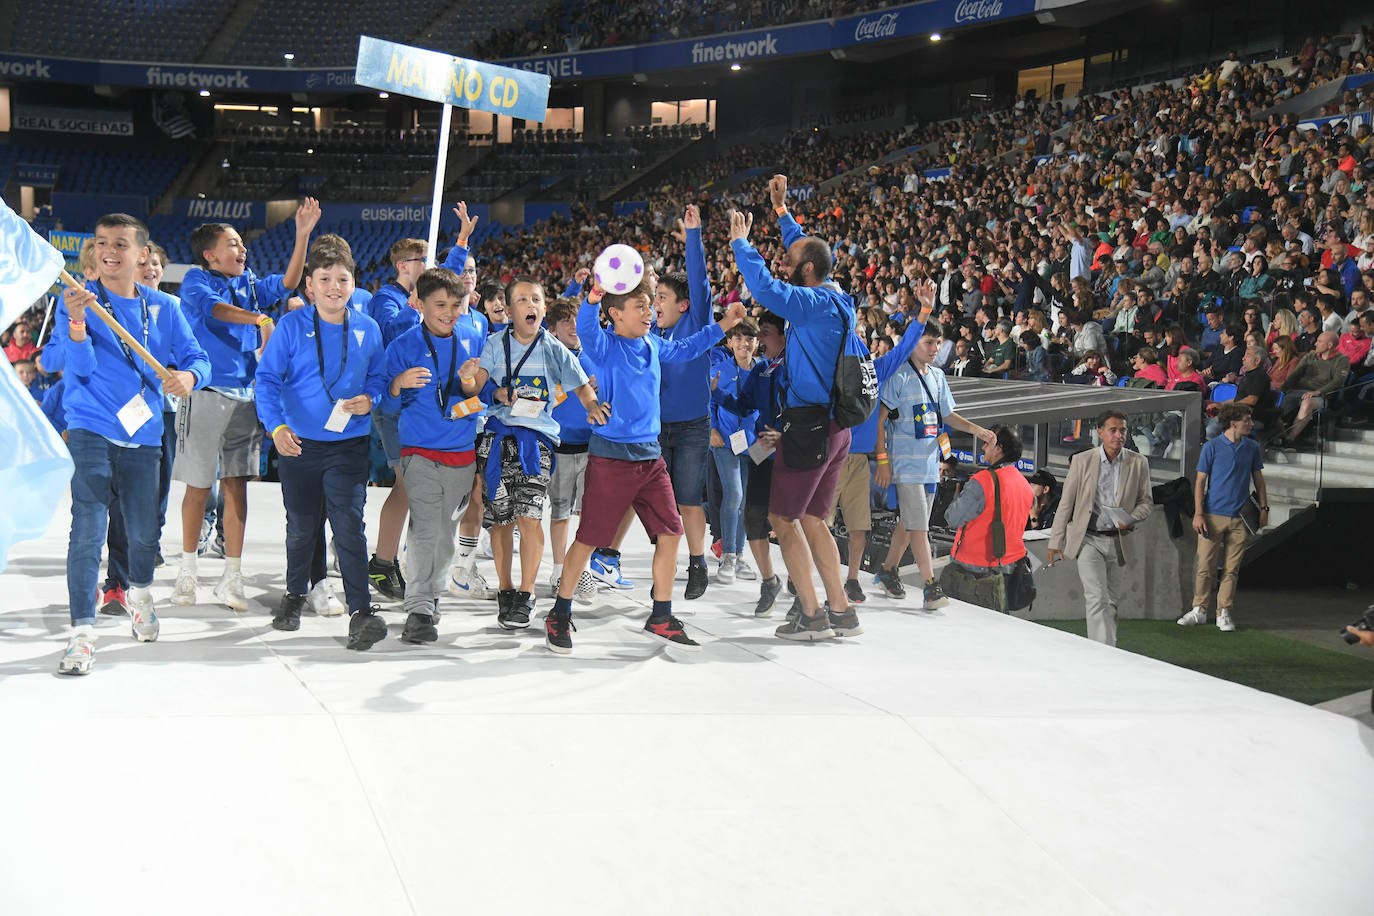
column 605, row 567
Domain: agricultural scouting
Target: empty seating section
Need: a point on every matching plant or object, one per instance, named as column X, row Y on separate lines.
column 325, row 34
column 460, row 27
column 141, row 30
column 583, row 166
column 345, row 163
column 98, row 169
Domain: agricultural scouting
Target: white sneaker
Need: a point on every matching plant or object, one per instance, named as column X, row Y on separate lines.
column 184, row 592
column 1224, row 622
column 1195, row 618
column 333, row 568
column 229, row 592
column 744, row 571
column 323, row 601
column 80, row 654
column 725, row 573
column 468, row 582
column 142, row 620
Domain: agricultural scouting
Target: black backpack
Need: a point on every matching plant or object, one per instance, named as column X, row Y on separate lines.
column 854, row 391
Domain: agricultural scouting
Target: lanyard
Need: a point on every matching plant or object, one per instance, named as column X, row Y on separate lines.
column 319, row 351
column 512, row 373
column 128, row 351
column 441, row 394
column 252, row 289
column 930, row 400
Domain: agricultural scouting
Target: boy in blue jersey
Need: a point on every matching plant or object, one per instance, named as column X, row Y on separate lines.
column 916, row 406
column 567, row 485
column 320, row 374
column 625, row 470
column 853, row 496
column 113, row 409
column 515, row 456
column 217, row 427
column 819, row 314
column 426, row 365
column 731, row 436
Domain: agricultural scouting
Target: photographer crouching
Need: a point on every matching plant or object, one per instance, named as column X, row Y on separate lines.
column 988, row 565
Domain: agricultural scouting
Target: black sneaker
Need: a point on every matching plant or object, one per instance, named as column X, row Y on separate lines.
column 288, row 615
column 791, row 589
column 670, row 631
column 853, row 592
column 419, row 629
column 366, row 629
column 844, row 623
column 806, row 629
column 516, row 615
column 696, row 582
column 386, row 579
column 558, row 631
column 934, row 595
column 891, row 583
column 768, row 595
column 795, row 611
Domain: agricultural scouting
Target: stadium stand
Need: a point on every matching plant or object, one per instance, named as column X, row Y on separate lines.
column 154, row 30
column 92, row 170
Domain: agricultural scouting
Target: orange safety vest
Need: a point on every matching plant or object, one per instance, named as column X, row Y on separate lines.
column 973, row 543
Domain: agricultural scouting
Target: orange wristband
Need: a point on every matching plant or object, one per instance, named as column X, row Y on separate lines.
column 780, row 210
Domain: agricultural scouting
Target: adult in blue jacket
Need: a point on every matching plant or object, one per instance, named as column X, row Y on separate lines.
column 819, row 315
column 112, row 402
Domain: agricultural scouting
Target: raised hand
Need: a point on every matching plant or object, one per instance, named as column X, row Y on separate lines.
column 692, row 218
column 680, row 233
column 925, row 294
column 740, row 225
column 307, row 216
column 777, row 190
column 465, row 223
column 581, row 274
column 733, row 316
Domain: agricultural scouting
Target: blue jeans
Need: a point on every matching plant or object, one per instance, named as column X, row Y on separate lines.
column 684, row 447
column 327, row 480
column 117, row 541
column 734, row 477
column 106, row 475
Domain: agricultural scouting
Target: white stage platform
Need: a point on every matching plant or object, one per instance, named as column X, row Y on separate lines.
column 943, row 763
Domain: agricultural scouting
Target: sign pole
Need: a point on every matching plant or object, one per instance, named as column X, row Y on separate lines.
column 445, row 128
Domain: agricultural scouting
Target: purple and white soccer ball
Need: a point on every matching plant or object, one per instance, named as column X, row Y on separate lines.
column 618, row 269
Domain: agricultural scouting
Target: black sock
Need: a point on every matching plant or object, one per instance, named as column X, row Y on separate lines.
column 697, row 559
column 662, row 610
column 608, row 552
column 562, row 606
column 771, row 580
column 384, row 564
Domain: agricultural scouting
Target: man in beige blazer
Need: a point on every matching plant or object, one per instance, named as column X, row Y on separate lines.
column 1106, row 494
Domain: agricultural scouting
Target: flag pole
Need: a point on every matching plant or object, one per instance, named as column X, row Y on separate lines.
column 445, row 123
column 47, row 315
column 119, row 330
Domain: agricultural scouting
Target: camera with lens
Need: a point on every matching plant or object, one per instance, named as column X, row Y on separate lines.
column 1366, row 622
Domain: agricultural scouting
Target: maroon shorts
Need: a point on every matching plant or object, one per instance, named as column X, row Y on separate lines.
column 797, row 493
column 613, row 485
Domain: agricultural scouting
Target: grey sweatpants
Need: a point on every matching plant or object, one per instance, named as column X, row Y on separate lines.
column 437, row 494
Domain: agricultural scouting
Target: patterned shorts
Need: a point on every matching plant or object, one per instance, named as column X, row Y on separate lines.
column 518, row 495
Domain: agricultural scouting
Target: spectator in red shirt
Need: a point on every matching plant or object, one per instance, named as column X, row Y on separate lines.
column 22, row 346
column 1354, row 344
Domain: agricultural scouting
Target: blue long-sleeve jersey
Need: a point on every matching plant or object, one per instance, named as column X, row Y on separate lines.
column 387, row 302
column 686, row 391
column 423, row 424
column 291, row 389
column 100, row 379
column 818, row 318
column 760, row 394
column 230, row 347
column 574, row 432
column 732, row 379
column 864, row 437
column 630, row 379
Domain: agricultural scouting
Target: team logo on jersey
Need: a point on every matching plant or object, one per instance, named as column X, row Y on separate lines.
column 360, row 335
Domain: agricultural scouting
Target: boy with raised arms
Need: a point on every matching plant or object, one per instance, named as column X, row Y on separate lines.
column 625, row 469
column 426, row 365
column 515, row 456
column 226, row 306
column 320, row 374
column 112, row 402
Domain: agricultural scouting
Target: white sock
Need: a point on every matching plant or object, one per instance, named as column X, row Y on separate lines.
column 188, row 560
column 231, row 566
column 87, row 630
column 140, row 594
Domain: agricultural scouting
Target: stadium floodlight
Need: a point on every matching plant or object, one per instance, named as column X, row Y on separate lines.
column 734, row 66
column 205, row 93
column 935, row 36
column 288, row 55
column 384, row 95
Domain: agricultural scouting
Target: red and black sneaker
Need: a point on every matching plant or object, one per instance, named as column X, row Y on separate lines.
column 558, row 631
column 114, row 603
column 670, row 631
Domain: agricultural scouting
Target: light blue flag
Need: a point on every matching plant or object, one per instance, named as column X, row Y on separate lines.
column 28, row 266
column 35, row 466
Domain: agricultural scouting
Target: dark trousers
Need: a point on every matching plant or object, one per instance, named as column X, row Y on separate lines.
column 756, row 495
column 327, row 480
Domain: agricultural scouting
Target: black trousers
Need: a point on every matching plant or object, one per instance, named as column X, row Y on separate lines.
column 327, row 480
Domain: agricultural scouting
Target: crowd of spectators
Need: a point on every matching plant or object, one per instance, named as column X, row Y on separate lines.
column 570, row 25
